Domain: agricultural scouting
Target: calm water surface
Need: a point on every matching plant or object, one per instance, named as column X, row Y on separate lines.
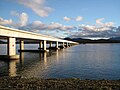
column 84, row 61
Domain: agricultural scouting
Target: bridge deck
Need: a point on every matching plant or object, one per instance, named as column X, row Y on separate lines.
column 10, row 32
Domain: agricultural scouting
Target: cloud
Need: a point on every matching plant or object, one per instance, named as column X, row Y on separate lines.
column 5, row 22
column 58, row 26
column 94, row 28
column 100, row 29
column 53, row 26
column 99, row 21
column 100, row 26
column 39, row 26
column 107, row 24
column 101, row 34
column 79, row 18
column 35, row 26
column 37, row 6
column 23, row 19
column 67, row 18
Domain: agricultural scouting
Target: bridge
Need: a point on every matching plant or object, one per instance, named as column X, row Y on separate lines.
column 13, row 35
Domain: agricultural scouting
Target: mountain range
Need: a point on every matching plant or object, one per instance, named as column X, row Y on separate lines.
column 82, row 40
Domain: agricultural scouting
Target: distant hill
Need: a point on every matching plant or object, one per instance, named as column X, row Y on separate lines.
column 81, row 40
column 72, row 39
column 115, row 38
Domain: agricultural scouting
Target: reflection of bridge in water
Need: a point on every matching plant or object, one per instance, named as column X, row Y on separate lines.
column 13, row 35
column 14, row 67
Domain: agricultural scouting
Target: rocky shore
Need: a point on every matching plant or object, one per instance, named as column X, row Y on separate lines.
column 20, row 83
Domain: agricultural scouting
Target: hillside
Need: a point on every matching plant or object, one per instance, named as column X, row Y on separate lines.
column 81, row 40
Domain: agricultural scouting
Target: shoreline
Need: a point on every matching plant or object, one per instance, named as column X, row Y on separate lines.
column 18, row 82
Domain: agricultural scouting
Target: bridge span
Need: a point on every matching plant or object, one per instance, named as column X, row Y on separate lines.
column 13, row 35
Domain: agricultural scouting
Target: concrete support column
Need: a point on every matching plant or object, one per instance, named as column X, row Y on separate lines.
column 21, row 45
column 70, row 44
column 56, row 44
column 44, row 45
column 63, row 44
column 67, row 44
column 50, row 44
column 11, row 46
column 40, row 45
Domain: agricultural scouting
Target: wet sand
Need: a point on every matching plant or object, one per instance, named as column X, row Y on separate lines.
column 20, row 83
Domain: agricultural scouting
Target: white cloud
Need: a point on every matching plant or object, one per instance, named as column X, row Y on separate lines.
column 38, row 6
column 107, row 24
column 54, row 25
column 23, row 19
column 79, row 18
column 95, row 28
column 39, row 26
column 99, row 21
column 68, row 27
column 5, row 22
column 37, row 23
column 58, row 26
column 100, row 29
column 67, row 18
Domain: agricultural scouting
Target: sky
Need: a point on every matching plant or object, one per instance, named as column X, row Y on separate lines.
column 63, row 18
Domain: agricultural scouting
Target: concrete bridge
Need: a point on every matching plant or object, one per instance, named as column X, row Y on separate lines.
column 13, row 35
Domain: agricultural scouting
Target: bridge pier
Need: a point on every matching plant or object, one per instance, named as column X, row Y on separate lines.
column 61, row 45
column 44, row 46
column 69, row 44
column 66, row 45
column 21, row 45
column 11, row 49
column 50, row 44
column 11, row 46
column 40, row 45
column 57, row 45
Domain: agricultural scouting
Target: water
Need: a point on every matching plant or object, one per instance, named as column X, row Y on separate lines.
column 84, row 61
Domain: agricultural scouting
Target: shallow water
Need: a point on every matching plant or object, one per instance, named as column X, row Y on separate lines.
column 84, row 61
